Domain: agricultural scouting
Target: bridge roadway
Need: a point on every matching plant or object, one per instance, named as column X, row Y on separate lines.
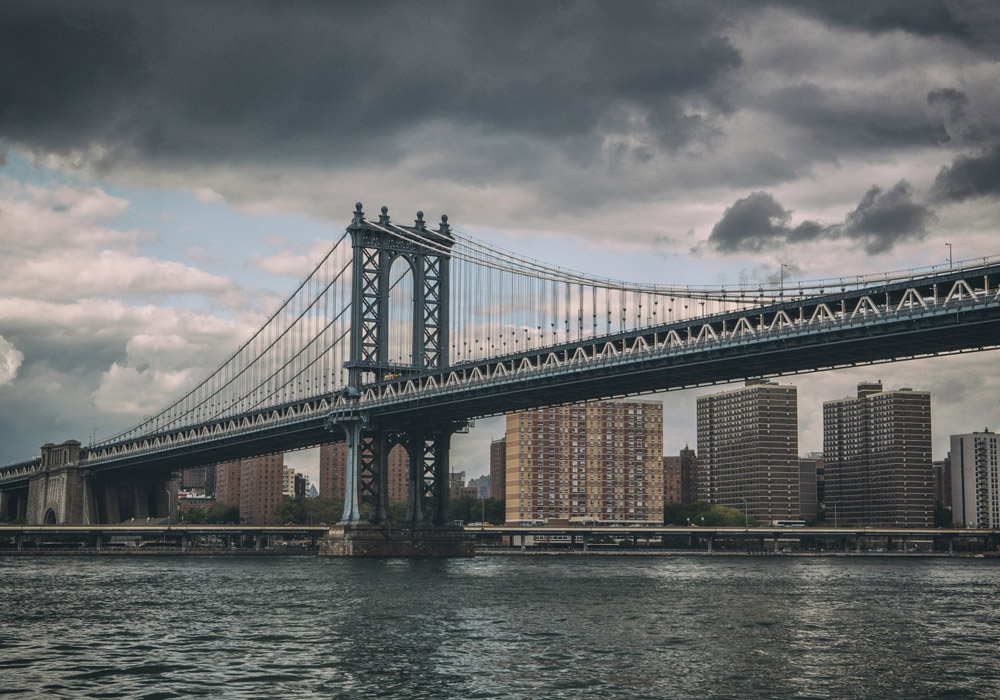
column 948, row 312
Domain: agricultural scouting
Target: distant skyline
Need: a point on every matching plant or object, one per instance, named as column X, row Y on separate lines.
column 168, row 172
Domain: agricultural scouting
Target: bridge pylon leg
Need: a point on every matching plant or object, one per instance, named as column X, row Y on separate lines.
column 442, row 478
column 377, row 476
column 416, row 487
column 352, row 510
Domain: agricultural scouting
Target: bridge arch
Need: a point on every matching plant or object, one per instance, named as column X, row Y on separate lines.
column 50, row 517
column 402, row 311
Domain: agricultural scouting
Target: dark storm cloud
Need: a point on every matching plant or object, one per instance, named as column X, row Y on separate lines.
column 952, row 102
column 970, row 176
column 950, row 107
column 884, row 218
column 314, row 82
column 880, row 221
column 953, row 19
column 854, row 121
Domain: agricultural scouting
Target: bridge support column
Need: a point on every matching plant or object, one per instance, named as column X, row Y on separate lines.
column 13, row 504
column 352, row 510
column 429, row 478
column 416, row 487
column 375, row 462
column 442, row 478
column 429, row 485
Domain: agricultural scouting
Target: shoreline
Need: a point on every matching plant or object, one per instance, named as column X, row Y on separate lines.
column 306, row 552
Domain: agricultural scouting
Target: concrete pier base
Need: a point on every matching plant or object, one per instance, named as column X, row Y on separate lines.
column 366, row 540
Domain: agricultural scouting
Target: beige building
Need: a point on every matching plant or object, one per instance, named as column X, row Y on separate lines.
column 227, row 482
column 597, row 461
column 877, row 458
column 288, row 482
column 748, row 450
column 333, row 471
column 254, row 484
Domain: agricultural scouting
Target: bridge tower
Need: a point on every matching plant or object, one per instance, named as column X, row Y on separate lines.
column 399, row 325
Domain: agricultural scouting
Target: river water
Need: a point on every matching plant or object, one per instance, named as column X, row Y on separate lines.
column 499, row 627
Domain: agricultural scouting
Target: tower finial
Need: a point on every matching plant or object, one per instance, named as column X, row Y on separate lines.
column 359, row 215
column 444, row 228
column 384, row 216
column 420, row 223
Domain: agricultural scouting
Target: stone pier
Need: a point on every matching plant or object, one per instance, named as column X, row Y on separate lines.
column 367, row 540
column 63, row 493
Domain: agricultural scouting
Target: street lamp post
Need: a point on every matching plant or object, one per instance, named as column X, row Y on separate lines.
column 951, row 261
column 746, row 511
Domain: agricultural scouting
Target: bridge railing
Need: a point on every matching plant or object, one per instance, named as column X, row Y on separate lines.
column 489, row 372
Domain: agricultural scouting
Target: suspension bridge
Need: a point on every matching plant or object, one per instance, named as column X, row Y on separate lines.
column 402, row 334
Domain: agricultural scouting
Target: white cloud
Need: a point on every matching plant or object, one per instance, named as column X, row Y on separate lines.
column 35, row 219
column 60, row 243
column 75, row 274
column 134, row 392
column 10, row 361
column 207, row 195
column 287, row 262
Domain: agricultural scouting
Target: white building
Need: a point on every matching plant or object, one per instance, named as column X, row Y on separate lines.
column 975, row 486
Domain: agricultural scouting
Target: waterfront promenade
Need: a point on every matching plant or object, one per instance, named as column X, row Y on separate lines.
column 143, row 538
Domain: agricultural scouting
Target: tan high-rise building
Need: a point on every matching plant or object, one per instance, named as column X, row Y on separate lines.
column 333, row 471
column 877, row 458
column 498, row 469
column 748, row 450
column 227, row 482
column 260, row 488
column 597, row 461
column 254, row 484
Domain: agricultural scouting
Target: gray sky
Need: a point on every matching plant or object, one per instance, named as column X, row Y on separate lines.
column 168, row 171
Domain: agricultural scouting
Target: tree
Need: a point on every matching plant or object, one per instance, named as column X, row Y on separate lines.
column 302, row 510
column 702, row 513
column 471, row 510
column 942, row 516
column 216, row 514
column 195, row 516
column 223, row 514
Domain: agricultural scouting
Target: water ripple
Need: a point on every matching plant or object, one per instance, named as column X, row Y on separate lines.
column 511, row 627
